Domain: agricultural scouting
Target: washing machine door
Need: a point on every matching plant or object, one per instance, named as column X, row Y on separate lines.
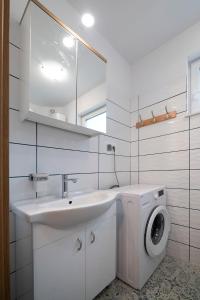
column 157, row 231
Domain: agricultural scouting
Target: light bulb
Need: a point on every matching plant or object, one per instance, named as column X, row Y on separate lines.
column 88, row 20
column 69, row 41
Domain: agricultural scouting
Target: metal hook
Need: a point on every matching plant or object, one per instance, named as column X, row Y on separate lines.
column 166, row 112
column 154, row 118
column 140, row 117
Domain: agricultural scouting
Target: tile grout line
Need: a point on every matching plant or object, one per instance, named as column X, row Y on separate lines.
column 189, row 191
column 98, row 160
column 138, row 146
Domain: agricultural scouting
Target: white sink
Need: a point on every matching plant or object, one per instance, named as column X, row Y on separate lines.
column 65, row 212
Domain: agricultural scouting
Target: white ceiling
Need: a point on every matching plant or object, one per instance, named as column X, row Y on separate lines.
column 136, row 27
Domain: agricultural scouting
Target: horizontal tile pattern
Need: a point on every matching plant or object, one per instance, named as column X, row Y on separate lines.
column 178, row 197
column 177, row 103
column 14, row 54
column 172, row 179
column 194, row 179
column 117, row 130
column 179, row 216
column 106, row 163
column 194, row 121
column 121, row 147
column 194, row 219
column 195, row 199
column 134, row 134
column 165, row 161
column 22, row 160
column 195, row 238
column 178, row 251
column 134, row 164
column 134, row 148
column 14, row 92
column 167, row 91
column 106, row 180
column 173, row 142
column 117, row 113
column 194, row 256
column 195, row 138
column 180, row 123
column 56, row 161
column 21, row 132
column 195, row 159
column 180, row 234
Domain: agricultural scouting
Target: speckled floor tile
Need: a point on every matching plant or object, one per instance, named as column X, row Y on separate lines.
column 173, row 280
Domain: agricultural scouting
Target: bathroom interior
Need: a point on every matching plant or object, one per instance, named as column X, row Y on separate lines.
column 104, row 150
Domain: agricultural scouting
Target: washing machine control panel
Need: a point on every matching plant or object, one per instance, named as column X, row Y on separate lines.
column 158, row 194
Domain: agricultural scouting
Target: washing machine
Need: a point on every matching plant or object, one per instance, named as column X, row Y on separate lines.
column 143, row 226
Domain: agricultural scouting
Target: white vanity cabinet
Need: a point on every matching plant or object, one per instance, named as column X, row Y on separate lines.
column 76, row 263
column 100, row 256
column 59, row 269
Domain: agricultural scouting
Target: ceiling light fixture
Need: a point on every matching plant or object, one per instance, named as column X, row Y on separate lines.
column 69, row 41
column 53, row 71
column 88, row 20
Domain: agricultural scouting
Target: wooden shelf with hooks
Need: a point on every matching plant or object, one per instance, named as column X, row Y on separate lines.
column 156, row 119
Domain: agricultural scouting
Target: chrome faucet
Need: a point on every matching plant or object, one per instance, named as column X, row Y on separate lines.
column 65, row 187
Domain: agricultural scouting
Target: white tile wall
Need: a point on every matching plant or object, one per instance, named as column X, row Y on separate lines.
column 118, row 130
column 178, row 197
column 117, row 113
column 178, row 251
column 121, row 147
column 195, row 199
column 194, row 256
column 134, row 164
column 179, row 234
column 168, row 143
column 108, row 179
column 172, row 179
column 194, row 179
column 169, row 154
column 179, row 216
column 194, row 218
column 106, row 163
column 180, row 123
column 134, row 148
column 14, row 92
column 195, row 138
column 165, row 161
column 195, row 238
column 22, row 160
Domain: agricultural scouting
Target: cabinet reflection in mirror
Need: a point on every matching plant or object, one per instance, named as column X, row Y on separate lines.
column 63, row 78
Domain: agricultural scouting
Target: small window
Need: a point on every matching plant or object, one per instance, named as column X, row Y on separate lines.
column 193, row 85
column 95, row 120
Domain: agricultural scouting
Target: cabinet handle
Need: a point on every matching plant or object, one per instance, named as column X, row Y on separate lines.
column 80, row 244
column 93, row 237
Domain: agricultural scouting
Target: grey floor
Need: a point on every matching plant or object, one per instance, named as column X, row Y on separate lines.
column 173, row 280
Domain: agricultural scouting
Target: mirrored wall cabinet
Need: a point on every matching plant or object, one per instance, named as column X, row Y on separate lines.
column 63, row 77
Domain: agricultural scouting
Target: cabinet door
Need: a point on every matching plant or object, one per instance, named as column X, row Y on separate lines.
column 59, row 269
column 100, row 256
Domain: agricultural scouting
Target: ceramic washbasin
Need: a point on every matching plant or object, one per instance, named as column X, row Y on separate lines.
column 65, row 212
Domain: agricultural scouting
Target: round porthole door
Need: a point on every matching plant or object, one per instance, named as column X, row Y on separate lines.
column 157, row 231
